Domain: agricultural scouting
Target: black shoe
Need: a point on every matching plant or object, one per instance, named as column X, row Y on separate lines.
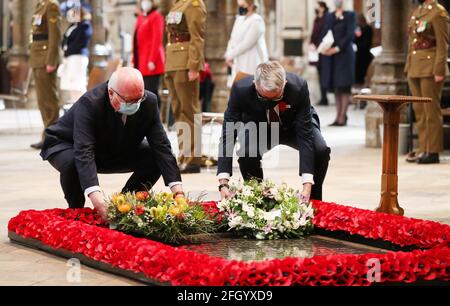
column 336, row 123
column 189, row 169
column 429, row 158
column 323, row 102
column 37, row 145
column 413, row 157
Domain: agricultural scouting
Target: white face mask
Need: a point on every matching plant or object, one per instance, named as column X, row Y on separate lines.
column 146, row 5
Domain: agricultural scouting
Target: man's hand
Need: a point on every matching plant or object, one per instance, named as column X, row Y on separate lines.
column 439, row 78
column 50, row 69
column 331, row 51
column 151, row 66
column 176, row 188
column 225, row 192
column 193, row 75
column 306, row 193
column 97, row 200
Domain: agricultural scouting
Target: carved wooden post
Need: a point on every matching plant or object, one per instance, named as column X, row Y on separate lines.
column 391, row 106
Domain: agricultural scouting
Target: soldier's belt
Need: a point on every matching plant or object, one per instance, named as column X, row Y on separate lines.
column 37, row 37
column 424, row 44
column 177, row 37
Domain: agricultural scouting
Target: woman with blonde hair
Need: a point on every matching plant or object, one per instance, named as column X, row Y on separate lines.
column 247, row 45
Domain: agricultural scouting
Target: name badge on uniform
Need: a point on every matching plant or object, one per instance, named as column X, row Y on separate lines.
column 421, row 27
column 37, row 20
column 174, row 17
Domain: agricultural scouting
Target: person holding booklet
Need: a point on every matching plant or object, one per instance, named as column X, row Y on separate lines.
column 337, row 62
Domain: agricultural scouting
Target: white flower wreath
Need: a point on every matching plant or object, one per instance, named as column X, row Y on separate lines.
column 264, row 211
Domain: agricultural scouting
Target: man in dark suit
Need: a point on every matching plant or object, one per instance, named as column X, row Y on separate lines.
column 277, row 104
column 104, row 132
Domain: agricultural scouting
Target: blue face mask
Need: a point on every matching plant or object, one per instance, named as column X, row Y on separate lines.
column 129, row 109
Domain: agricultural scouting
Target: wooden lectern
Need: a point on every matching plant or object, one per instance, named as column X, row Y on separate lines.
column 391, row 106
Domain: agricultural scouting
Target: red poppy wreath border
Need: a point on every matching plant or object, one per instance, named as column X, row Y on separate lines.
column 82, row 232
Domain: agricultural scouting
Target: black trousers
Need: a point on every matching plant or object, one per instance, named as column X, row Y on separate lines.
column 142, row 163
column 251, row 166
column 151, row 83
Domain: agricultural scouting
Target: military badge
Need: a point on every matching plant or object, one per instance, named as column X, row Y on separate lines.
column 421, row 27
column 174, row 17
column 37, row 20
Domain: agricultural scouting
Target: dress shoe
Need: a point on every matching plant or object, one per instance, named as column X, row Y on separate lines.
column 188, row 169
column 429, row 158
column 37, row 145
column 413, row 157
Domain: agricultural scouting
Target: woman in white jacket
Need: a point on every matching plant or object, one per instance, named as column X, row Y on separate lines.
column 247, row 45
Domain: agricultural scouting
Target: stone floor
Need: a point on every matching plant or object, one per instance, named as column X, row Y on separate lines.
column 353, row 179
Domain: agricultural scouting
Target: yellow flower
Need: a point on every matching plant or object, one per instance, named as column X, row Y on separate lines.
column 158, row 212
column 175, row 211
column 114, row 198
column 124, row 208
column 153, row 212
column 182, row 202
column 167, row 197
column 120, row 200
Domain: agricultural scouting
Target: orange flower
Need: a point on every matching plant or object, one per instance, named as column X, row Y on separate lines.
column 142, row 196
column 124, row 208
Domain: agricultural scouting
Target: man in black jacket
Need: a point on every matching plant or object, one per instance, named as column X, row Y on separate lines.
column 115, row 128
column 273, row 108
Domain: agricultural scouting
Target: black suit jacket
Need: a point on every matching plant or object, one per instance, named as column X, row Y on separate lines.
column 97, row 134
column 298, row 119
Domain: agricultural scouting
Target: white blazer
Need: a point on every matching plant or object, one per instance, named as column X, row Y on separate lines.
column 247, row 45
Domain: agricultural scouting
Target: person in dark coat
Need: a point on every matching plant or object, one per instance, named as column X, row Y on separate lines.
column 274, row 108
column 364, row 57
column 75, row 45
column 338, row 62
column 316, row 39
column 114, row 128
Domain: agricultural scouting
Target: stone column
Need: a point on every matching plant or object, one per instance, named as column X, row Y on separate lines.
column 22, row 12
column 99, row 52
column 389, row 77
column 220, row 20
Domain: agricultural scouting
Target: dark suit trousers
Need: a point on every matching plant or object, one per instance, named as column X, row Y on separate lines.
column 142, row 163
column 251, row 166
